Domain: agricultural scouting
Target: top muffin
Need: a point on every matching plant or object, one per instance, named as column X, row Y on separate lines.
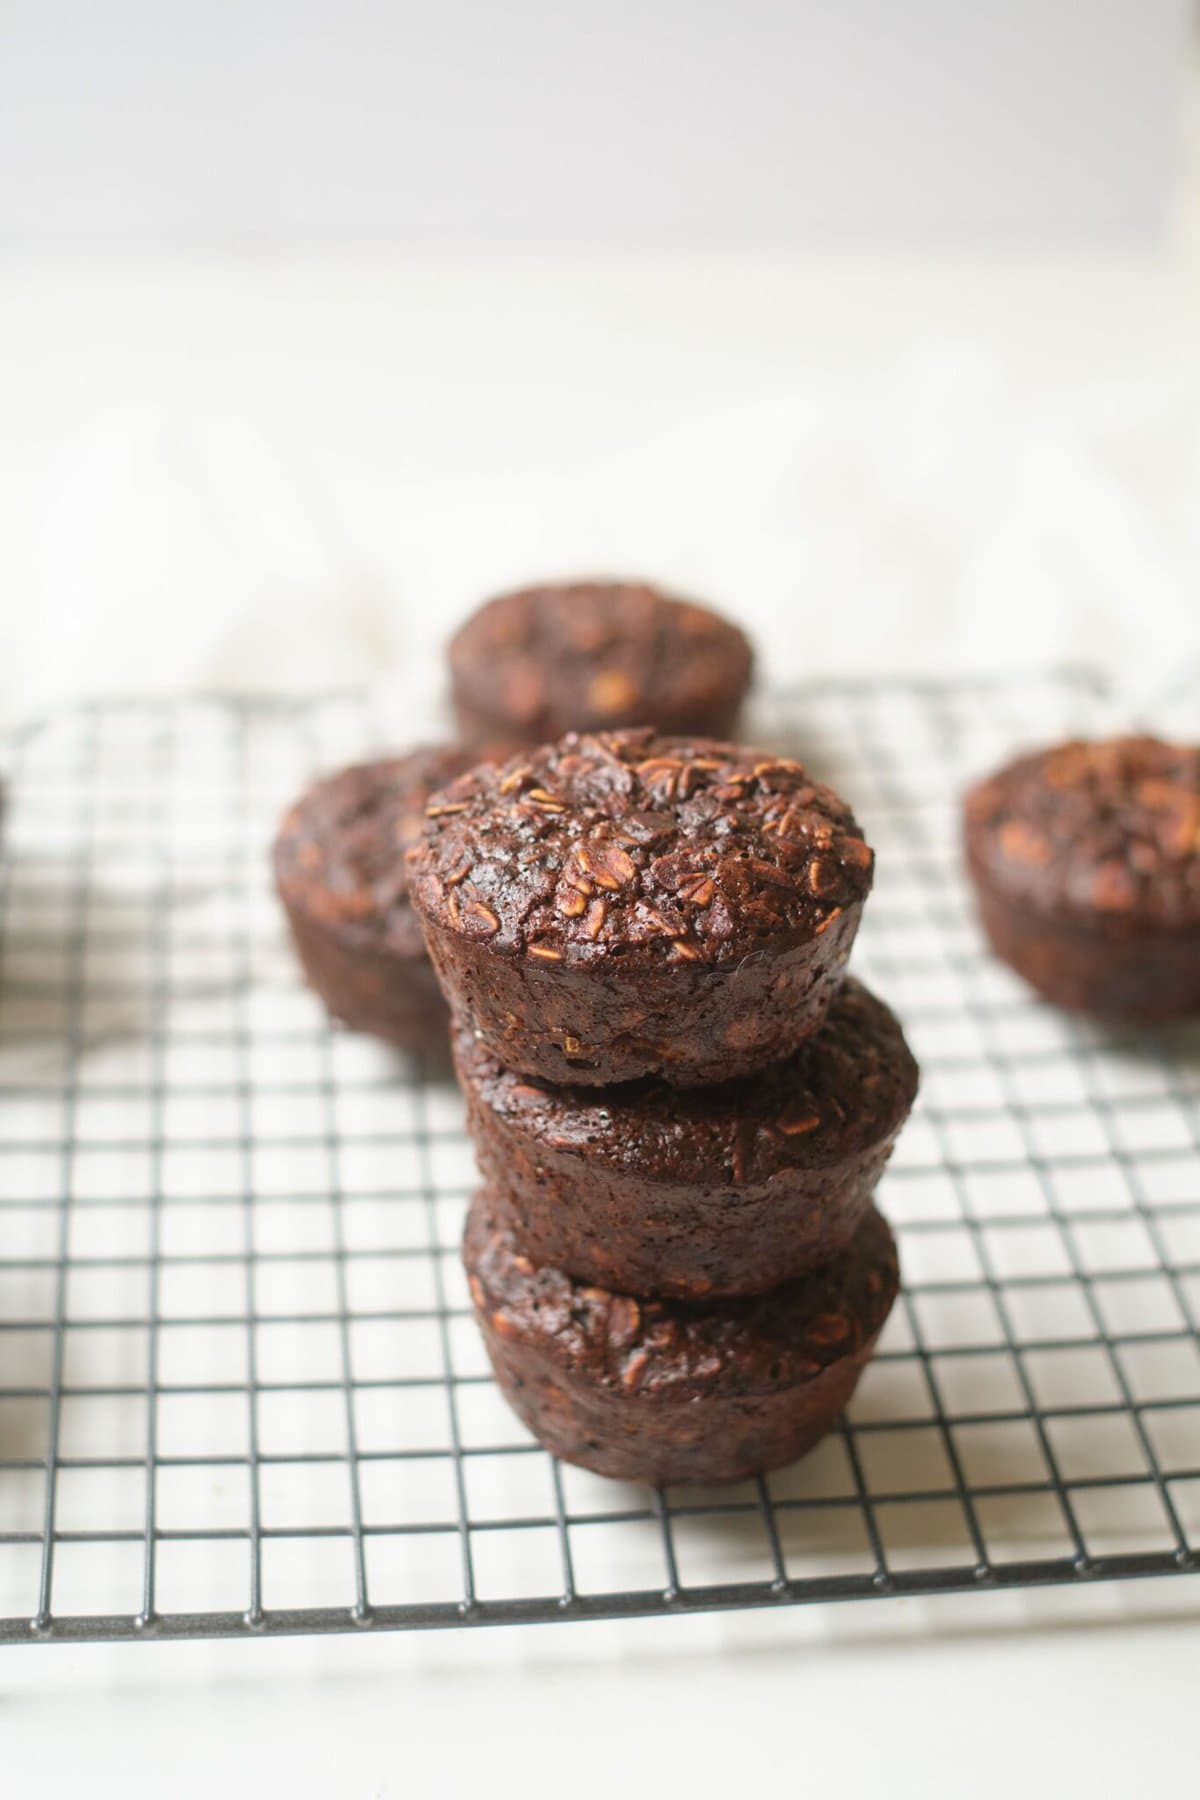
column 578, row 903
column 647, row 848
column 593, row 654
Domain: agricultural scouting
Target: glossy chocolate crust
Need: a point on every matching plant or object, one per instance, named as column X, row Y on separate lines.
column 594, row 655
column 1086, row 863
column 666, row 1391
column 621, row 904
column 341, row 875
column 721, row 1190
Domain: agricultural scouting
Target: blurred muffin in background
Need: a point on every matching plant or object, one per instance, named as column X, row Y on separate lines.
column 592, row 655
column 1085, row 858
column 342, row 877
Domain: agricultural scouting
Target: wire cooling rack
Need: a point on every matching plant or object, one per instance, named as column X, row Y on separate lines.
column 240, row 1388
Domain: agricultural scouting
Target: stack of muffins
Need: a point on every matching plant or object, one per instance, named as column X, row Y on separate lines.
column 680, row 1105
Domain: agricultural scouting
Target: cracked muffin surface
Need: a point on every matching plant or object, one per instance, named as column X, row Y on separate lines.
column 645, row 866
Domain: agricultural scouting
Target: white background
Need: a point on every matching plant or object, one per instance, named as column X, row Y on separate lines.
column 400, row 356
column 876, row 325
column 307, row 473
column 640, row 123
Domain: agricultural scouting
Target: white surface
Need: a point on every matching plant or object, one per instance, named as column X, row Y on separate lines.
column 265, row 474
column 988, row 1697
column 203, row 472
column 252, row 123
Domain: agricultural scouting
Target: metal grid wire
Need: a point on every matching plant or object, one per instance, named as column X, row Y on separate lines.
column 240, row 1388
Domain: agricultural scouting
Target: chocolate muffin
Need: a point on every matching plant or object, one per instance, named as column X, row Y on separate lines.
column 341, row 874
column 671, row 1391
column 591, row 655
column 620, row 904
column 1086, row 864
column 722, row 1190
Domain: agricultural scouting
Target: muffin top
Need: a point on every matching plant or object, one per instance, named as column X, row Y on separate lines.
column 846, row 1089
column 591, row 654
column 682, row 1350
column 644, row 848
column 339, row 853
column 1104, row 830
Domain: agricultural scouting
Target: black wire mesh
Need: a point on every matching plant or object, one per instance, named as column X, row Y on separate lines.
column 240, row 1388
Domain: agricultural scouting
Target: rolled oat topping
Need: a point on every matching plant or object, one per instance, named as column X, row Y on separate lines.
column 627, row 844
